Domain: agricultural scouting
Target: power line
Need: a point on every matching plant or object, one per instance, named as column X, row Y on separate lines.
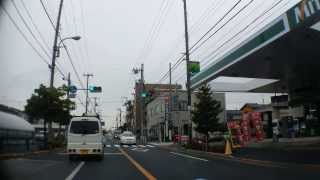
column 34, row 24
column 84, row 32
column 178, row 62
column 64, row 46
column 155, row 28
column 29, row 29
column 48, row 16
column 242, row 30
column 73, row 67
column 215, row 25
column 24, row 36
column 203, row 42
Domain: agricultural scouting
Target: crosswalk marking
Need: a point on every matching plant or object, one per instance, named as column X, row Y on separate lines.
column 129, row 146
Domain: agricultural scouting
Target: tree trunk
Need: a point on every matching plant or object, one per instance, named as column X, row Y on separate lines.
column 59, row 132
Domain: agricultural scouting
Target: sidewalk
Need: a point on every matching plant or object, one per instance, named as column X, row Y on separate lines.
column 288, row 150
column 262, row 153
column 19, row 155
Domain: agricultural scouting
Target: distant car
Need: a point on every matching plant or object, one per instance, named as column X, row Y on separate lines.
column 116, row 134
column 85, row 137
column 128, row 137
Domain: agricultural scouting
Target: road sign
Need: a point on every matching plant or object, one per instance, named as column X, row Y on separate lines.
column 73, row 89
column 72, row 95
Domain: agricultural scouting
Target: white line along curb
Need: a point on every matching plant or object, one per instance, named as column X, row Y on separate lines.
column 75, row 171
column 188, row 156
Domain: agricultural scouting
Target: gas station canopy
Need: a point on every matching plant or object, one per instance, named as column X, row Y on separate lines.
column 282, row 57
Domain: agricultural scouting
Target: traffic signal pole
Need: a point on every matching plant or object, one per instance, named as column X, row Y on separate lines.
column 87, row 91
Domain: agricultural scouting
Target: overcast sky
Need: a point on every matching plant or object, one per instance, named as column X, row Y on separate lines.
column 118, row 35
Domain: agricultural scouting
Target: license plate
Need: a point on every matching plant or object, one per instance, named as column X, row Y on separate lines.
column 84, row 151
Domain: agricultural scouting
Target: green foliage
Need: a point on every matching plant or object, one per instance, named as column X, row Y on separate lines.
column 49, row 104
column 206, row 111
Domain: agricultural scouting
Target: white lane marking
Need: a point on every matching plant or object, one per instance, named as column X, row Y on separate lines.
column 125, row 146
column 108, row 145
column 188, row 156
column 134, row 146
column 141, row 146
column 112, row 153
column 116, row 145
column 150, row 146
column 140, row 149
column 75, row 171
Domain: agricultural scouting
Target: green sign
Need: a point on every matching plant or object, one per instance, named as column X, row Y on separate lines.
column 194, row 67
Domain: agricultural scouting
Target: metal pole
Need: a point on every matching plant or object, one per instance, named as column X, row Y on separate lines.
column 55, row 48
column 120, row 115
column 142, row 100
column 95, row 104
column 69, row 84
column 87, row 91
column 170, row 103
column 187, row 60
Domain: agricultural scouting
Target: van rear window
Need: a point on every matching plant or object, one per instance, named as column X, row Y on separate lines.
column 84, row 127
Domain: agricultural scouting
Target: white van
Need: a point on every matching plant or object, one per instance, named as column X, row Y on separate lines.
column 85, row 137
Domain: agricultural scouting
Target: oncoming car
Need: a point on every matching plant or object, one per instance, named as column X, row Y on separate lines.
column 85, row 137
column 127, row 137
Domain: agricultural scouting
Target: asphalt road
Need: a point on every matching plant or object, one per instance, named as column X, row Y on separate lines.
column 147, row 162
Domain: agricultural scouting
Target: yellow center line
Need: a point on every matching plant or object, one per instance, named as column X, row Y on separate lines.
column 147, row 174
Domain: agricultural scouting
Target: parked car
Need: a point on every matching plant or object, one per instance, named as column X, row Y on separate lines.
column 128, row 137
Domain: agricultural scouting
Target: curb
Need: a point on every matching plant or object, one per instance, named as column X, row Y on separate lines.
column 19, row 155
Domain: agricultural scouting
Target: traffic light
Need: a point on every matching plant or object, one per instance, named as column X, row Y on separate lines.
column 95, row 89
column 148, row 93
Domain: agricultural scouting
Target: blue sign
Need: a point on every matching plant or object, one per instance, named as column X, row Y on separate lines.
column 73, row 89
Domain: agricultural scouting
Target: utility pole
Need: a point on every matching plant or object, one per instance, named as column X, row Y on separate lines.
column 69, row 84
column 55, row 48
column 170, row 103
column 87, row 90
column 187, row 61
column 52, row 67
column 95, row 105
column 141, row 99
column 120, row 115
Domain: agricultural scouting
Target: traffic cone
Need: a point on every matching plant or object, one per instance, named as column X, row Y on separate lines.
column 228, row 149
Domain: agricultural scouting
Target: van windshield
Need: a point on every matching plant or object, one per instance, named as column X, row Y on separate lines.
column 84, row 127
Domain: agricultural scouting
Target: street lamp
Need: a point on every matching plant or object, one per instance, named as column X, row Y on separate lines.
column 76, row 38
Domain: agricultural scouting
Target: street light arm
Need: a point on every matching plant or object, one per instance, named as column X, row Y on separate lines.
column 76, row 38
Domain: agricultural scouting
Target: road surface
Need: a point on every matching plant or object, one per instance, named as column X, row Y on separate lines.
column 147, row 162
